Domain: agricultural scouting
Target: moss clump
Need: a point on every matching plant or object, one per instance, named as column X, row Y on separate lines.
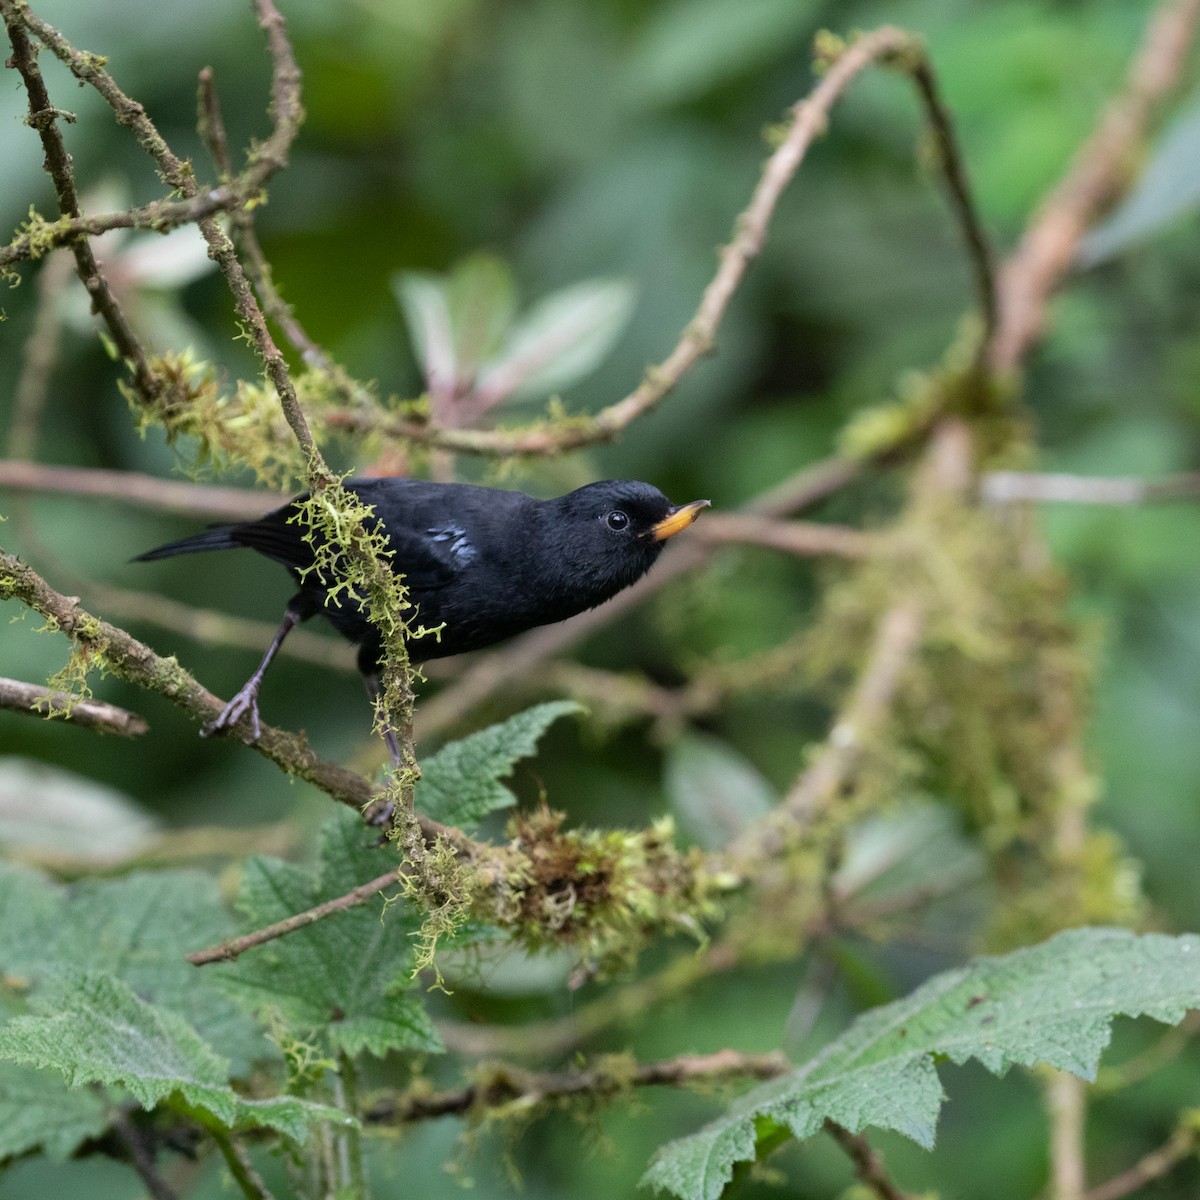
column 216, row 429
column 601, row 892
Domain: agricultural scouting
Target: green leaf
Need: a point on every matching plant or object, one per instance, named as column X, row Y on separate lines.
column 460, row 784
column 98, row 1031
column 1168, row 188
column 559, row 341
column 39, row 1110
column 91, row 1028
column 137, row 928
column 1053, row 1003
column 345, row 976
column 714, row 791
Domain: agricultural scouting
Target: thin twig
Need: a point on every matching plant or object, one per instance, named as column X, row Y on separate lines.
column 1096, row 174
column 510, row 1088
column 962, row 204
column 229, row 949
column 868, row 1163
column 37, row 700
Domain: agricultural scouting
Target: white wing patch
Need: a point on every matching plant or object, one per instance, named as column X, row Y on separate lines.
column 454, row 539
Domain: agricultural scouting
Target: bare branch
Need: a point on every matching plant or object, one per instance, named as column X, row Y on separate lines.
column 143, row 491
column 507, row 1087
column 36, row 700
column 229, row 949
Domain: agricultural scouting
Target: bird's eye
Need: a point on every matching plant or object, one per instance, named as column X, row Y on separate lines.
column 616, row 519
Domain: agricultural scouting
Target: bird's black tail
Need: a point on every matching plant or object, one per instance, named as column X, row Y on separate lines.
column 219, row 537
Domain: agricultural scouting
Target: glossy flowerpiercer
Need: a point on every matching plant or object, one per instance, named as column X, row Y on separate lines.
column 480, row 564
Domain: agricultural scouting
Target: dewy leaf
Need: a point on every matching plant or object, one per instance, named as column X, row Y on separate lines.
column 460, row 784
column 93, row 1029
column 136, row 928
column 38, row 1109
column 559, row 341
column 1053, row 1003
column 346, row 975
column 1167, row 188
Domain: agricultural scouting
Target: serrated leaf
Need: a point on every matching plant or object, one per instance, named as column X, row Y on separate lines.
column 1053, row 1003
column 560, row 340
column 90, row 1027
column 460, row 784
column 714, row 791
column 1168, row 188
column 39, row 1111
column 346, row 975
column 136, row 928
column 98, row 1031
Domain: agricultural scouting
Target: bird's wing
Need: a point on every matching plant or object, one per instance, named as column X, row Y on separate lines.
column 428, row 558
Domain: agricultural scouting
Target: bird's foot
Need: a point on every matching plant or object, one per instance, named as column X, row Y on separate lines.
column 245, row 703
column 379, row 816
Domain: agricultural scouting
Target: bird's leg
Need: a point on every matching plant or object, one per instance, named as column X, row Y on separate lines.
column 371, row 679
column 246, row 700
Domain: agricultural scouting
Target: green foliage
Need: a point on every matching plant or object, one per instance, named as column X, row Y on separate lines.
column 39, row 1111
column 1053, row 1003
column 136, row 928
column 90, row 1026
column 460, row 784
column 346, row 979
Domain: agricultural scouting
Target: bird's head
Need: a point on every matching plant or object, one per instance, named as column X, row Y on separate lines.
column 611, row 532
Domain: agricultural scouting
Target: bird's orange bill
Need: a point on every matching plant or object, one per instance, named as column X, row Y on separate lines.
column 679, row 520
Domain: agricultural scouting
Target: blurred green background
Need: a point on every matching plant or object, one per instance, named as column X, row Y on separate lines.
column 618, row 138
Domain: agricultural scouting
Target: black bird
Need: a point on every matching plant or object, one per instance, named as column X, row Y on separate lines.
column 481, row 563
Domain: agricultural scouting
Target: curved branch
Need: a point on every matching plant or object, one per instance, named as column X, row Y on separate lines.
column 807, row 121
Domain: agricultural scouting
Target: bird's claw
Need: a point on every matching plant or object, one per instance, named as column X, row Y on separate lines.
column 243, row 704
